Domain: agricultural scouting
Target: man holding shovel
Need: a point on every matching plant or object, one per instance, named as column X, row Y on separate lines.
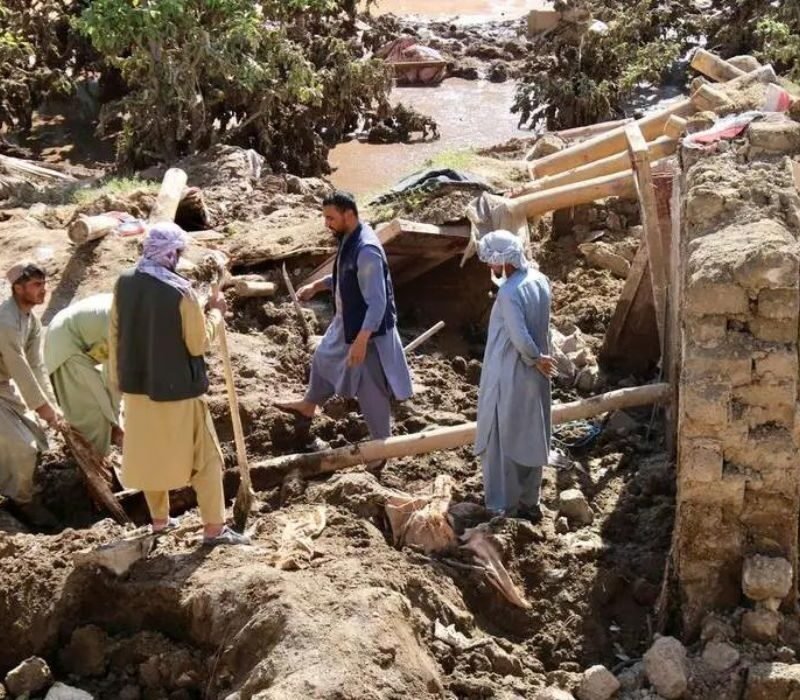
column 361, row 354
column 513, row 433
column 157, row 340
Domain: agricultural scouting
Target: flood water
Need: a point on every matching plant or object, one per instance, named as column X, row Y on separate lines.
column 470, row 114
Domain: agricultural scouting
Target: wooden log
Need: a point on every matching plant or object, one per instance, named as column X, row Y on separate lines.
column 582, row 132
column 662, row 147
column 538, row 203
column 708, row 98
column 271, row 472
column 90, row 228
column 606, row 144
column 673, row 129
column 432, row 331
column 169, row 196
column 652, row 231
column 25, row 167
column 305, row 331
column 714, row 67
column 253, row 288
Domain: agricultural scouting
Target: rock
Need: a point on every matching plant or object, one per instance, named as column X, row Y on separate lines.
column 782, row 136
column 665, row 666
column 31, row 676
column 60, row 691
column 621, row 423
column 588, row 379
column 761, row 625
column 460, row 365
column 502, row 662
column 602, row 255
column 498, row 72
column 466, row 69
column 130, row 692
column 474, row 372
column 86, row 653
column 546, row 145
column 766, row 577
column 644, row 592
column 786, row 655
column 573, row 504
column 562, row 525
column 745, row 63
column 598, row 684
column 767, row 681
column 720, row 656
column 552, row 693
column 632, row 678
column 715, row 628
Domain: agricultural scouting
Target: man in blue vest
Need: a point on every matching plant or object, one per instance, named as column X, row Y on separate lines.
column 361, row 354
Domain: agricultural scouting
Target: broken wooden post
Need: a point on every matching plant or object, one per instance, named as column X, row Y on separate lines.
column 90, row 228
column 662, row 147
column 652, row 232
column 243, row 287
column 305, row 331
column 714, row 67
column 448, row 438
column 608, row 144
column 169, row 196
column 432, row 331
column 538, row 203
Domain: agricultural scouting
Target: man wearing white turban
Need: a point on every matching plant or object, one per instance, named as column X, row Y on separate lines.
column 513, row 436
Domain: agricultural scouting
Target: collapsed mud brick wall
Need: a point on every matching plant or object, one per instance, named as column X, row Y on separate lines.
column 739, row 302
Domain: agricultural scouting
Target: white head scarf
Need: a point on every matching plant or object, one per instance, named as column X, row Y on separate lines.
column 502, row 248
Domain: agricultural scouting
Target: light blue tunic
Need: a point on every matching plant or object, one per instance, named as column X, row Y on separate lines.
column 385, row 371
column 514, row 398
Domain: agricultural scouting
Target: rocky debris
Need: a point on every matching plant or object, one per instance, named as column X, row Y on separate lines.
column 562, row 526
column 720, row 656
column 31, row 676
column 466, row 69
column 632, row 678
column 598, row 684
column 621, row 423
column 716, row 628
column 573, row 504
column 745, row 63
column 766, row 577
column 603, row 256
column 553, row 693
column 770, row 681
column 61, row 691
column 498, row 72
column 546, row 145
column 85, row 655
column 761, row 625
column 666, row 669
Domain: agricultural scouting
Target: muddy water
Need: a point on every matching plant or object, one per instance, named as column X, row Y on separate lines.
column 470, row 114
column 472, row 10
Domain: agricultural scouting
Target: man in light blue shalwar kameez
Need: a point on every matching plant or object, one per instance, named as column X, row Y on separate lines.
column 361, row 354
column 513, row 435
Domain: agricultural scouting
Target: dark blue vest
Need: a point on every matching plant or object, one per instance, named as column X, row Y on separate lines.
column 354, row 308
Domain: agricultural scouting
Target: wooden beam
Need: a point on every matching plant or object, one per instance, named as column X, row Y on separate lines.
column 646, row 194
column 714, row 67
column 673, row 129
column 619, row 319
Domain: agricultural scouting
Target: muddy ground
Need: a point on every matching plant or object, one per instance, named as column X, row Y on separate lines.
column 358, row 620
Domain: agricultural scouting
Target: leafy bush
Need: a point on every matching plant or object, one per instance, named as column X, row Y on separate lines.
column 279, row 76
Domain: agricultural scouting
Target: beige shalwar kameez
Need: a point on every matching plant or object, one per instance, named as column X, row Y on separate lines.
column 170, row 444
column 21, row 437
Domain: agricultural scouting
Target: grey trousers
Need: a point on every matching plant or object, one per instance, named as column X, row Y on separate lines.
column 373, row 394
column 508, row 485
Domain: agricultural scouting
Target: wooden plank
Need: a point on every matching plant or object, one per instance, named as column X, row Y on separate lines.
column 672, row 359
column 417, row 269
column 622, row 311
column 643, row 177
column 714, row 67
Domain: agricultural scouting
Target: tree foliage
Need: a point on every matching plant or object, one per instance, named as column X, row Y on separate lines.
column 590, row 72
column 280, row 76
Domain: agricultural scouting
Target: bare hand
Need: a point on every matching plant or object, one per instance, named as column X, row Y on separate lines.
column 52, row 416
column 218, row 302
column 358, row 350
column 307, row 292
column 117, row 436
column 547, row 366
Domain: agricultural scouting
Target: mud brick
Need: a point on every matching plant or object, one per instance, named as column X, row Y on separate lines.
column 774, row 331
column 775, row 136
column 727, row 492
column 704, row 403
column 780, row 363
column 780, row 414
column 701, row 460
column 735, row 369
column 767, row 394
column 761, row 452
column 706, row 331
column 779, row 303
column 705, row 299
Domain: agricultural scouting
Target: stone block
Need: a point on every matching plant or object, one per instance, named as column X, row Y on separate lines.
column 665, row 666
column 779, row 364
column 706, row 331
column 727, row 492
column 761, row 626
column 767, row 394
column 701, row 460
column 780, row 136
column 573, row 504
column 779, row 303
column 772, row 681
column 598, row 684
column 720, row 656
column 762, row 451
column 705, row 403
column 766, row 577
column 717, row 364
column 756, row 416
column 774, row 331
column 705, row 299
